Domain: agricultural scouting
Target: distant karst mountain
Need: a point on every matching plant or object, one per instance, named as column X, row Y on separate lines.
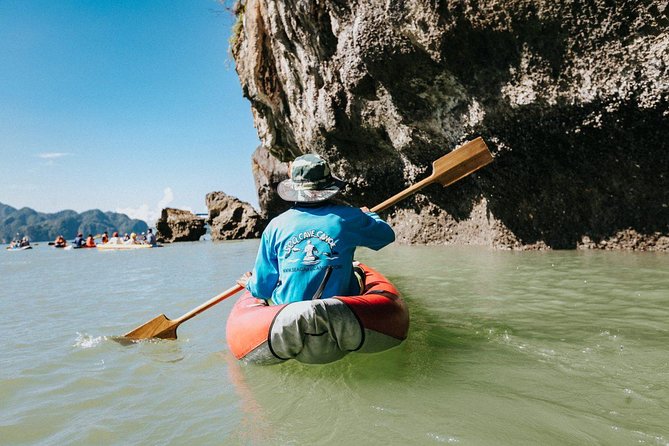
column 39, row 226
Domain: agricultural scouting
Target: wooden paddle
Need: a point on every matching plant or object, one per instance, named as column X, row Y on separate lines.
column 164, row 328
column 466, row 159
column 448, row 169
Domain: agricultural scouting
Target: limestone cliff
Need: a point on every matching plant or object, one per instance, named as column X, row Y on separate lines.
column 571, row 97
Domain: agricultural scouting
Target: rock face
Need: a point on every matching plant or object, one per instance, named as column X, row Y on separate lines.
column 571, row 97
column 176, row 225
column 232, row 219
column 268, row 172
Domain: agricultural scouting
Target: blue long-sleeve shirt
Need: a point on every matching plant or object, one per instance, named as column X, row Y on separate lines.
column 298, row 245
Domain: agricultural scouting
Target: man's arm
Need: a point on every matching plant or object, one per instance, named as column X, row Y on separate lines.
column 265, row 274
column 373, row 231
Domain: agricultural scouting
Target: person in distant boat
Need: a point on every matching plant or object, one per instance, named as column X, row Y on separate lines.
column 24, row 242
column 132, row 240
column 115, row 239
column 126, row 237
column 150, row 237
column 60, row 242
column 79, row 240
column 90, row 241
column 105, row 238
column 16, row 242
column 141, row 238
column 287, row 268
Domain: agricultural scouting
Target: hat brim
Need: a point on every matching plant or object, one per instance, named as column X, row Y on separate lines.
column 290, row 191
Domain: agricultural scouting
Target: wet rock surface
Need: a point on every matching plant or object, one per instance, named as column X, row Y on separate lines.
column 572, row 98
column 232, row 219
column 177, row 225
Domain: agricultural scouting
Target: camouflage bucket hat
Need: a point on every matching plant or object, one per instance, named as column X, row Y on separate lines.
column 310, row 181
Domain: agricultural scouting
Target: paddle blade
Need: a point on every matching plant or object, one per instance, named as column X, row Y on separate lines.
column 461, row 162
column 158, row 327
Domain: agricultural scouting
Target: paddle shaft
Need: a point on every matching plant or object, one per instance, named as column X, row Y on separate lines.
column 210, row 303
column 402, row 195
column 448, row 169
column 162, row 327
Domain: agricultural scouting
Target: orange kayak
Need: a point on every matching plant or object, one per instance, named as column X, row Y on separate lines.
column 319, row 331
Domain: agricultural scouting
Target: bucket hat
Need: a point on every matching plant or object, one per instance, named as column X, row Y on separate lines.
column 310, row 181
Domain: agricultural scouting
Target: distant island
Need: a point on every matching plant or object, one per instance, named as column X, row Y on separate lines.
column 39, row 226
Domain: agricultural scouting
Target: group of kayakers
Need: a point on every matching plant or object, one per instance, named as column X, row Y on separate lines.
column 19, row 243
column 89, row 242
column 133, row 239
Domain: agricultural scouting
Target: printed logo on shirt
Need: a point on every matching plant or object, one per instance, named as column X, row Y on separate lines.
column 310, row 247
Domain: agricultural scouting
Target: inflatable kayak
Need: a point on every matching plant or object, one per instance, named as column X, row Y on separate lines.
column 119, row 246
column 322, row 330
column 22, row 248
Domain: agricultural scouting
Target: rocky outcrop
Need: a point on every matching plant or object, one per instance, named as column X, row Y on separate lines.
column 630, row 240
column 268, row 172
column 232, row 219
column 571, row 96
column 176, row 225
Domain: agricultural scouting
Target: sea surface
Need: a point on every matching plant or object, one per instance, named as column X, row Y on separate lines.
column 505, row 348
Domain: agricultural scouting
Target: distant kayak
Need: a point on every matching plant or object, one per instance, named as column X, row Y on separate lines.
column 22, row 248
column 122, row 247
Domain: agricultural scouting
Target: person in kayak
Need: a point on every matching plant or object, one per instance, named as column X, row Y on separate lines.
column 150, row 237
column 115, row 239
column 60, row 242
column 105, row 238
column 307, row 252
column 132, row 240
column 90, row 241
column 79, row 240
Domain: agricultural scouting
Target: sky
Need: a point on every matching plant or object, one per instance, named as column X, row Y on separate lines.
column 121, row 105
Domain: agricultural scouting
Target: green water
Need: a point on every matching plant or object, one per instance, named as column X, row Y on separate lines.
column 545, row 348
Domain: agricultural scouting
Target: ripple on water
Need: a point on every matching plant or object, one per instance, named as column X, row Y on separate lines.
column 442, row 438
column 87, row 341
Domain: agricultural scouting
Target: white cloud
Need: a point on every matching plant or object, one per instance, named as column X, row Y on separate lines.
column 52, row 155
column 168, row 197
column 142, row 213
column 151, row 213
